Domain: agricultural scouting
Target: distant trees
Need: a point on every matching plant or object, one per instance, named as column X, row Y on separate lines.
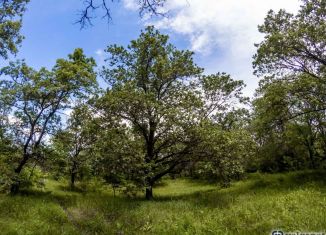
column 226, row 150
column 35, row 98
column 73, row 145
column 290, row 109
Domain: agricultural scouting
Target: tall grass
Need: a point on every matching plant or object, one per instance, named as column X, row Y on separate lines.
column 257, row 205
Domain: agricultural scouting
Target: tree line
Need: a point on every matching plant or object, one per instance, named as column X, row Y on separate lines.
column 160, row 115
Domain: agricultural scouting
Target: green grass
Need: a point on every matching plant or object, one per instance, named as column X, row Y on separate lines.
column 257, row 205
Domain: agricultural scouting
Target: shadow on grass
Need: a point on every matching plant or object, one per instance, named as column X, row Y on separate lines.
column 213, row 198
column 254, row 185
column 63, row 199
column 292, row 180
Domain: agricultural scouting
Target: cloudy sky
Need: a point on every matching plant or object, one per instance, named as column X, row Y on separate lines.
column 222, row 33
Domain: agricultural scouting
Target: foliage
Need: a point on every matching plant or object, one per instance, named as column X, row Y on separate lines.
column 289, row 111
column 293, row 44
column 227, row 155
column 73, row 145
column 160, row 96
column 161, row 117
column 11, row 12
column 36, row 97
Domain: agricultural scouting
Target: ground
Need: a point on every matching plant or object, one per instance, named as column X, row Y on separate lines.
column 256, row 205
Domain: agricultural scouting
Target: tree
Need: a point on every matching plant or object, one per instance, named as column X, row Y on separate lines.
column 37, row 97
column 158, row 92
column 150, row 93
column 119, row 157
column 224, row 154
column 290, row 104
column 294, row 48
column 74, row 143
column 11, row 12
column 283, row 120
column 293, row 44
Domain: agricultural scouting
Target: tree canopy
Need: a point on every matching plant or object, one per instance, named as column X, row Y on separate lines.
column 11, row 12
column 35, row 98
column 290, row 108
column 162, row 95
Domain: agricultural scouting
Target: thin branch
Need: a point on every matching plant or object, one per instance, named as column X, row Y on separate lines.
column 86, row 14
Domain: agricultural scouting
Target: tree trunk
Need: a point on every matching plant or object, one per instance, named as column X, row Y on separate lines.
column 14, row 188
column 22, row 164
column 16, row 183
column 73, row 175
column 149, row 192
column 311, row 153
column 72, row 180
column 312, row 157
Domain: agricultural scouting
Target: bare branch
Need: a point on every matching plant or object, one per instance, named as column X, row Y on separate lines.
column 87, row 14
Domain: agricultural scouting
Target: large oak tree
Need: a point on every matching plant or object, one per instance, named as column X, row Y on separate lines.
column 160, row 94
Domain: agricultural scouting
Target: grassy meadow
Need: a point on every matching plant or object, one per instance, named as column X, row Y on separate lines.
column 255, row 205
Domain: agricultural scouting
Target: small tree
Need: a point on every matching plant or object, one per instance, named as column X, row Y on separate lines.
column 224, row 154
column 74, row 143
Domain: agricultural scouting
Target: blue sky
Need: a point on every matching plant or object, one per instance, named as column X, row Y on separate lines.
column 50, row 32
column 221, row 32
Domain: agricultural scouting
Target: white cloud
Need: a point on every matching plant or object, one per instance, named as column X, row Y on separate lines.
column 222, row 30
column 100, row 55
column 228, row 24
column 99, row 52
column 130, row 4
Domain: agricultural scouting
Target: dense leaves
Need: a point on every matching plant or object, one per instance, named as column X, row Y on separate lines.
column 36, row 97
column 159, row 93
column 290, row 108
column 11, row 12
